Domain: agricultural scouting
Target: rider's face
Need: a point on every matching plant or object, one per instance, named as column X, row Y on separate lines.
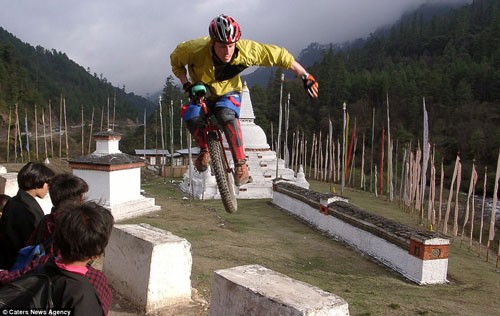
column 224, row 51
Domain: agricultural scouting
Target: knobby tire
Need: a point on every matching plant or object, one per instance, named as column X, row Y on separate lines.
column 225, row 181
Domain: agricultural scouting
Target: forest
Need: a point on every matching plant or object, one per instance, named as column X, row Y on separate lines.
column 452, row 60
column 32, row 76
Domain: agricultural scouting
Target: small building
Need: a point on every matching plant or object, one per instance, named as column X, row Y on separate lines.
column 184, row 155
column 114, row 178
column 154, row 157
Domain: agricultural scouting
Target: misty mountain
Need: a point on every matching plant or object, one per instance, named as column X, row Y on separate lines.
column 314, row 51
column 32, row 76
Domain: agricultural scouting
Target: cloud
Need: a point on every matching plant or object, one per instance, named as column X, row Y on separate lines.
column 130, row 41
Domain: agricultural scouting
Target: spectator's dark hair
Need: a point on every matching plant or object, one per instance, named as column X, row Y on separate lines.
column 66, row 186
column 82, row 230
column 34, row 175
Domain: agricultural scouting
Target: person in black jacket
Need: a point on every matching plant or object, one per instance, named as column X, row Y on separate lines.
column 82, row 233
column 22, row 213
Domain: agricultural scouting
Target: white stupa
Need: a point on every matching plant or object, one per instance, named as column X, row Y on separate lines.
column 114, row 178
column 263, row 165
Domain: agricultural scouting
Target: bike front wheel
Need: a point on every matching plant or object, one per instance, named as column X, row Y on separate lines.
column 223, row 175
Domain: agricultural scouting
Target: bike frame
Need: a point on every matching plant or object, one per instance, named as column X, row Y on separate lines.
column 219, row 161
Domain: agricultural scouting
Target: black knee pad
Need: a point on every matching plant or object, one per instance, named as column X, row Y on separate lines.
column 225, row 115
column 195, row 123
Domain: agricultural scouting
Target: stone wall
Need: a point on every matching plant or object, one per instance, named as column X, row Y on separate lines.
column 418, row 255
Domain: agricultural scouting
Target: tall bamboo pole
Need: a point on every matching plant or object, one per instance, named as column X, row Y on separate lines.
column 287, row 119
column 26, row 132
column 144, row 135
column 293, row 153
column 162, row 138
column 426, row 149
column 482, row 211
column 44, row 134
column 381, row 172
column 114, row 111
column 297, row 150
column 91, row 127
column 278, row 146
column 473, row 205
column 20, row 138
column 491, row 234
column 326, row 162
column 102, row 118
column 36, row 134
column 50, row 130
column 108, row 113
column 311, row 157
column 362, row 184
column 450, row 196
column 83, row 137
column 371, row 153
column 60, row 125
column 389, row 154
column 16, row 125
column 457, row 194
column 66, row 129
column 431, row 211
column 272, row 139
column 441, row 186
column 343, row 149
column 180, row 131
column 171, row 112
column 338, row 160
column 8, row 134
column 331, row 144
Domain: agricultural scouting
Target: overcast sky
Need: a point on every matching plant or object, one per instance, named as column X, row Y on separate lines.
column 129, row 41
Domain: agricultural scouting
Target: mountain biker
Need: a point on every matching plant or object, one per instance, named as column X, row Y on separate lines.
column 217, row 61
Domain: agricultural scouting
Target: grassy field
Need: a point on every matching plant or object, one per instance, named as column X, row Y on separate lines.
column 260, row 233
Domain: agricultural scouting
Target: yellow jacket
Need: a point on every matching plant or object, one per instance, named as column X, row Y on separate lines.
column 197, row 56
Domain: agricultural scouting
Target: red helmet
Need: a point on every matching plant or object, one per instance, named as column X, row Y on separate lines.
column 225, row 29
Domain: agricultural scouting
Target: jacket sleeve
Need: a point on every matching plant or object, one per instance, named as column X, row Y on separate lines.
column 179, row 58
column 257, row 54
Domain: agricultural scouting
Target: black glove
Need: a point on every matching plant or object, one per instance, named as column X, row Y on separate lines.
column 310, row 85
column 187, row 88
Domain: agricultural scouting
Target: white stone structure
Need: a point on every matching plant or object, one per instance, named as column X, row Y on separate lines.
column 114, row 178
column 425, row 262
column 149, row 266
column 8, row 183
column 254, row 290
column 263, row 164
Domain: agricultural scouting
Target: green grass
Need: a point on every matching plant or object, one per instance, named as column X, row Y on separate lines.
column 260, row 233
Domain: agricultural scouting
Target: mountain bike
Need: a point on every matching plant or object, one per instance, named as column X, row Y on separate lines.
column 218, row 159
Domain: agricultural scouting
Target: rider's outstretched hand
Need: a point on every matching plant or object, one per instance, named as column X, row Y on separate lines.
column 310, row 85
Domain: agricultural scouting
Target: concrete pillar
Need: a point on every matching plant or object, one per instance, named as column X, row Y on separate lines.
column 8, row 183
column 254, row 290
column 149, row 266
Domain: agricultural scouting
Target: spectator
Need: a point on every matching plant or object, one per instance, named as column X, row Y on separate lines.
column 62, row 188
column 81, row 234
column 22, row 213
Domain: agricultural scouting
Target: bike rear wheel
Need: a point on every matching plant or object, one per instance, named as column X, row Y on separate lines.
column 223, row 176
